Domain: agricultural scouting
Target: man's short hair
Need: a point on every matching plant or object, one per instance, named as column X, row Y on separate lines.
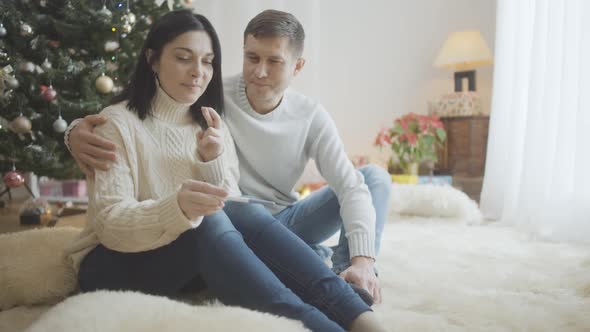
column 275, row 23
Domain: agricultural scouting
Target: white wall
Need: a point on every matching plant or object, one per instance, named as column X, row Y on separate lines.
column 377, row 60
column 368, row 62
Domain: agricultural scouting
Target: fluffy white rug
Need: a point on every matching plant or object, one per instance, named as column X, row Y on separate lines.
column 436, row 275
column 127, row 311
column 440, row 276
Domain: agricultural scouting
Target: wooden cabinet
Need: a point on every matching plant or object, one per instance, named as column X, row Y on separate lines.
column 464, row 152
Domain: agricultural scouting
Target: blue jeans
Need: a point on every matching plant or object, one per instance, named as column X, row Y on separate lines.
column 317, row 217
column 254, row 263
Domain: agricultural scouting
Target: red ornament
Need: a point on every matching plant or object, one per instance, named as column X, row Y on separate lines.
column 53, row 43
column 13, row 179
column 48, row 93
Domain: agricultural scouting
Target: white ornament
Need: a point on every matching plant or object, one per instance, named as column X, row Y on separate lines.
column 2, row 30
column 111, row 46
column 105, row 12
column 26, row 30
column 46, row 64
column 27, row 66
column 60, row 125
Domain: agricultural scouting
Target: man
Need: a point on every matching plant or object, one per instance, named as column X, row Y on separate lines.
column 276, row 131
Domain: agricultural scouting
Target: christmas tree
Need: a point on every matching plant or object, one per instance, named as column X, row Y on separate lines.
column 61, row 60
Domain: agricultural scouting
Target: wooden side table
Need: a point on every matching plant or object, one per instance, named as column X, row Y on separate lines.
column 464, row 152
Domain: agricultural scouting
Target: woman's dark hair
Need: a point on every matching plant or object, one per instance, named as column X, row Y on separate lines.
column 142, row 86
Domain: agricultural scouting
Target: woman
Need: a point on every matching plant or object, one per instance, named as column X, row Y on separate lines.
column 155, row 218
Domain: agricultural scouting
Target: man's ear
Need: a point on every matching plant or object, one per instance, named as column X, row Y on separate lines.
column 299, row 65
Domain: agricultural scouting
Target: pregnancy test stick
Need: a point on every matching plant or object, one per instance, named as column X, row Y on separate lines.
column 250, row 200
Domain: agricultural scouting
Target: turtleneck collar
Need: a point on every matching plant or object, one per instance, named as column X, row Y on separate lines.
column 244, row 104
column 169, row 110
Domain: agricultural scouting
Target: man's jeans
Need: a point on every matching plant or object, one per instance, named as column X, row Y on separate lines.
column 317, row 217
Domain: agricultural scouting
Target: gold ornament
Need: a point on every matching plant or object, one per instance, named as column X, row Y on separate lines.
column 104, row 84
column 21, row 125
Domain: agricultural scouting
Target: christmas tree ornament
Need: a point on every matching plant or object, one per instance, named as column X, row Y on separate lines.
column 35, row 43
column 111, row 45
column 21, row 125
column 4, row 57
column 53, row 43
column 104, row 84
column 60, row 125
column 11, row 82
column 129, row 17
column 46, row 64
column 3, row 31
column 147, row 19
column 25, row 30
column 117, row 89
column 48, row 93
column 126, row 27
column 27, row 66
column 13, row 179
column 43, row 3
column 186, row 3
column 105, row 13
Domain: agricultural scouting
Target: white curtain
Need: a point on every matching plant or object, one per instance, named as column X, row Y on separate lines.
column 230, row 17
column 538, row 162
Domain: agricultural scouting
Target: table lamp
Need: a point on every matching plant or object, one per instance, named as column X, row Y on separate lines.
column 464, row 51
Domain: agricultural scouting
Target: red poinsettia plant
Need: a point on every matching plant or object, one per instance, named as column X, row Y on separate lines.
column 413, row 139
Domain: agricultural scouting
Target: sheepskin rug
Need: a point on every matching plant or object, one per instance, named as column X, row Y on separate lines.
column 108, row 311
column 440, row 276
column 441, row 270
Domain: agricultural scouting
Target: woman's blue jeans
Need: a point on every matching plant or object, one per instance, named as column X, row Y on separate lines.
column 255, row 263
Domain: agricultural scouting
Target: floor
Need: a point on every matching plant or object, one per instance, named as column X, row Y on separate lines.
column 443, row 275
column 10, row 222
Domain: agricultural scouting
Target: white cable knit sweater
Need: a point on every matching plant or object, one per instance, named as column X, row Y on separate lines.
column 133, row 206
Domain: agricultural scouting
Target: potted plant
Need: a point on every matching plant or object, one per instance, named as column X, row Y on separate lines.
column 413, row 140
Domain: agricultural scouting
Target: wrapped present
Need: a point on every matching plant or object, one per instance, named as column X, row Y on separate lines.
column 50, row 187
column 74, row 188
column 442, row 180
column 465, row 103
column 404, row 178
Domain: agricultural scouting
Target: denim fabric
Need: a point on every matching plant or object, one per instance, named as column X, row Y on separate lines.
column 317, row 217
column 253, row 262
